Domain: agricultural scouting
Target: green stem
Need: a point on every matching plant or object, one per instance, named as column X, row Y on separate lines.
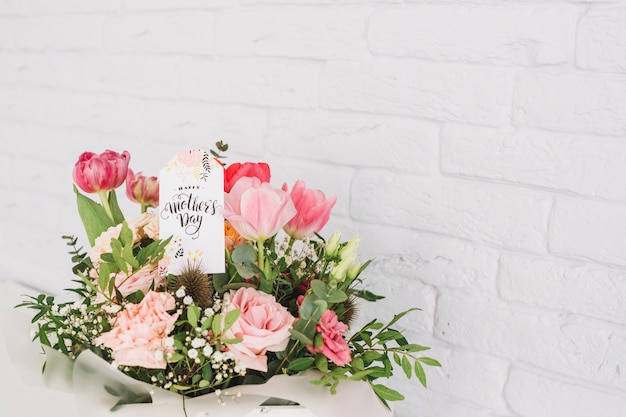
column 144, row 208
column 260, row 245
column 105, row 203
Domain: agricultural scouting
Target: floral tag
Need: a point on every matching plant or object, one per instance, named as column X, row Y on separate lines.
column 191, row 201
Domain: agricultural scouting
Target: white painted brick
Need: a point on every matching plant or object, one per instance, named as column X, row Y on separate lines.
column 511, row 34
column 356, row 139
column 601, row 38
column 470, row 376
column 493, row 214
column 178, row 4
column 532, row 395
column 543, row 339
column 97, row 112
column 435, row 260
column 421, row 89
column 420, row 402
column 248, row 81
column 575, row 287
column 582, row 164
column 146, row 76
column 16, row 7
column 173, row 32
column 589, row 230
column 150, row 76
column 306, row 32
column 243, row 128
column 333, row 180
column 319, row 2
column 65, row 32
column 572, row 101
column 8, row 29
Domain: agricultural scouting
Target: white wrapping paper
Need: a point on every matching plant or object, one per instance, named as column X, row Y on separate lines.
column 87, row 377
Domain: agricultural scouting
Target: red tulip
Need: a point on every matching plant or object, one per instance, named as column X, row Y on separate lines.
column 313, row 211
column 95, row 173
column 143, row 190
column 235, row 171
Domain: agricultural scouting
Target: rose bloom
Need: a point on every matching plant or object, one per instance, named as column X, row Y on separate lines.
column 334, row 346
column 263, row 326
column 146, row 225
column 190, row 158
column 233, row 172
column 313, row 211
column 94, row 173
column 137, row 337
column 257, row 210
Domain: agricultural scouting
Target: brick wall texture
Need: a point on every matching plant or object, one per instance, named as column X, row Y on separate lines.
column 477, row 147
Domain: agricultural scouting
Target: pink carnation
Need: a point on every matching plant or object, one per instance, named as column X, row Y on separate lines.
column 137, row 338
column 334, row 346
column 263, row 325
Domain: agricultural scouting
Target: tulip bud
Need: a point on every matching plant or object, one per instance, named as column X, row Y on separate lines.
column 340, row 270
column 332, row 246
column 143, row 190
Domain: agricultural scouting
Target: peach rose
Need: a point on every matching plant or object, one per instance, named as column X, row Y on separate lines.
column 263, row 325
column 146, row 225
column 137, row 337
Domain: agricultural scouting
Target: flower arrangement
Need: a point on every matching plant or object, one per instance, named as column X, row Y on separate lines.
column 285, row 304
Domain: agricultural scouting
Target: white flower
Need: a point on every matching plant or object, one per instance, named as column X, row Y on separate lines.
column 169, row 341
column 158, row 355
column 187, row 300
column 197, row 342
column 192, row 353
column 180, row 293
column 208, row 349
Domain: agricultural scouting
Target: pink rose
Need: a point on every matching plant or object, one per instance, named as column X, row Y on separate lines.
column 256, row 210
column 141, row 280
column 313, row 211
column 334, row 346
column 137, row 337
column 263, row 325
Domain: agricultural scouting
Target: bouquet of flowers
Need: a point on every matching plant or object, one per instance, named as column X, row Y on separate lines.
column 284, row 304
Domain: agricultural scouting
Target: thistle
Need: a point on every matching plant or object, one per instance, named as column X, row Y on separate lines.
column 198, row 285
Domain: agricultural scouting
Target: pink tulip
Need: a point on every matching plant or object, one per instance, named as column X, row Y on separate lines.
column 95, row 173
column 256, row 210
column 143, row 190
column 313, row 211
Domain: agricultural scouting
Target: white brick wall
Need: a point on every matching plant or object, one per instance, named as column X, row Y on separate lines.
column 477, row 147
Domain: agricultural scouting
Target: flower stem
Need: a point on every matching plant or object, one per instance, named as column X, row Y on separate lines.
column 260, row 245
column 105, row 203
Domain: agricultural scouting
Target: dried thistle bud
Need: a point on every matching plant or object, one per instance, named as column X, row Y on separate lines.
column 198, row 285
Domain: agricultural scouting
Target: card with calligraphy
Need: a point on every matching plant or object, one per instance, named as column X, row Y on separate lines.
column 191, row 200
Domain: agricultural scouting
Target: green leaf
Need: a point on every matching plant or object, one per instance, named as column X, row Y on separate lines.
column 193, row 314
column 387, row 393
column 216, row 325
column 94, row 218
column 300, row 337
column 312, row 308
column 429, row 361
column 321, row 363
column 406, row 366
column 244, row 253
column 319, row 288
column 118, row 216
column 301, row 364
column 419, row 373
column 230, row 319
